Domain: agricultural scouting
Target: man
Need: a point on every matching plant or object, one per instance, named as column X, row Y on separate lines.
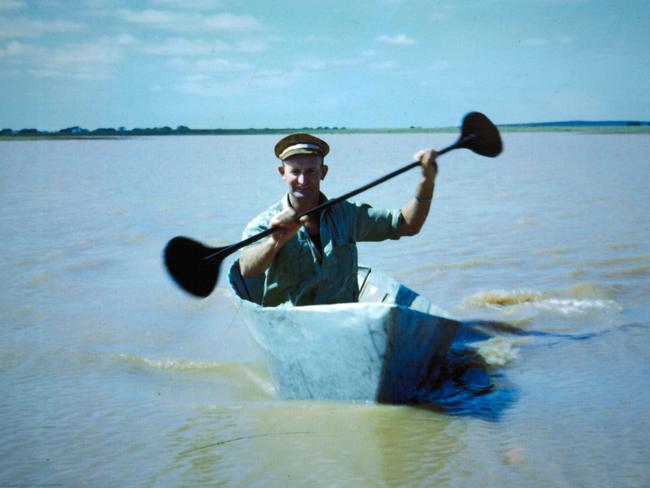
column 314, row 260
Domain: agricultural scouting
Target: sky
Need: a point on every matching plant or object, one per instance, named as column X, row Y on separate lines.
column 343, row 63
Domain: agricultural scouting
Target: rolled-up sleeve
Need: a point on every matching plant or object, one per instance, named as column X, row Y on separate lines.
column 260, row 224
column 255, row 226
column 373, row 224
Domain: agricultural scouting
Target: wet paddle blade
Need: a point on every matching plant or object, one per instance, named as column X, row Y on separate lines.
column 486, row 140
column 184, row 259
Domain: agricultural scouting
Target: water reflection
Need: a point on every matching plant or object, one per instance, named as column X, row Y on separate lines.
column 311, row 444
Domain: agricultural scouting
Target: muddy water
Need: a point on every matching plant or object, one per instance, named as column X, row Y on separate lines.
column 111, row 376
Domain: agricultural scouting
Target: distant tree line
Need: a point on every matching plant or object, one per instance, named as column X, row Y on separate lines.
column 181, row 129
column 77, row 131
column 101, row 131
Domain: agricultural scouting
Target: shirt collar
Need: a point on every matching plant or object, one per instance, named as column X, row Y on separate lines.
column 286, row 202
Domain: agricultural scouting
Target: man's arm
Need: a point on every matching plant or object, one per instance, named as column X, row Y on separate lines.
column 415, row 212
column 257, row 259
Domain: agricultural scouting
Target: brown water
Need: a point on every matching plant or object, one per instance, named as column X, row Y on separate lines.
column 111, row 376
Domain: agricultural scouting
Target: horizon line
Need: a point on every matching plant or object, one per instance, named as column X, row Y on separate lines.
column 182, row 128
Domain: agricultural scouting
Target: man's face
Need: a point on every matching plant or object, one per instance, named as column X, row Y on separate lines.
column 303, row 174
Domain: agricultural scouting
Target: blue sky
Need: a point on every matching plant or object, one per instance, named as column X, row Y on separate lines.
column 353, row 63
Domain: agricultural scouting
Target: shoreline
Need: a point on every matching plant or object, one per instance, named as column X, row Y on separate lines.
column 604, row 129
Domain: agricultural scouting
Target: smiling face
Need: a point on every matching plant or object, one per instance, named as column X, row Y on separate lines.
column 303, row 174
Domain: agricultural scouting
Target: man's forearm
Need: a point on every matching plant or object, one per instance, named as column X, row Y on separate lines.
column 415, row 212
column 256, row 260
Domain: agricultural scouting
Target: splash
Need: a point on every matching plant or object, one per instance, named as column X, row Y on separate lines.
column 502, row 298
column 580, row 299
column 576, row 307
column 498, row 351
column 173, row 364
column 241, row 374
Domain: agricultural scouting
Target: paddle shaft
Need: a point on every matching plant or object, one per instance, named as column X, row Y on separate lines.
column 226, row 251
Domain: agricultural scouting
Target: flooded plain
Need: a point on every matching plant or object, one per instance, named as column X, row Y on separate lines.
column 111, row 376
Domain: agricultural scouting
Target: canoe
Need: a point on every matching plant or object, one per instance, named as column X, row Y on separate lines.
column 384, row 348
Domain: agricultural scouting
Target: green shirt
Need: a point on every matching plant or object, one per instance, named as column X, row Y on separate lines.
column 302, row 275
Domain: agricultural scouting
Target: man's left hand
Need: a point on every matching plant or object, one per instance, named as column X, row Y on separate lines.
column 427, row 158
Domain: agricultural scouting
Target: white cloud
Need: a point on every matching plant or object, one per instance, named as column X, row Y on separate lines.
column 203, row 66
column 184, row 47
column 435, row 16
column 197, row 78
column 250, row 45
column 80, row 72
column 273, row 78
column 439, row 66
column 441, row 12
column 187, row 4
column 189, row 22
column 264, row 79
column 10, row 72
column 125, row 40
column 103, row 51
column 84, row 6
column 89, row 60
column 384, row 65
column 324, row 64
column 22, row 27
column 17, row 49
column 369, row 53
column 398, row 40
column 206, row 88
column 317, row 38
column 155, row 17
column 534, row 42
column 541, row 41
column 195, row 47
column 230, row 22
column 12, row 4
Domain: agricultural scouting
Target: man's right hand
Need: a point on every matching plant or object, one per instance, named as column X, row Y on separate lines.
column 287, row 226
column 255, row 260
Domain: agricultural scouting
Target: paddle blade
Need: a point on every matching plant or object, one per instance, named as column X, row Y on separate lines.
column 486, row 140
column 184, row 259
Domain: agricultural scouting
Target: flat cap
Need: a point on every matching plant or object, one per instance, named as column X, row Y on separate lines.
column 300, row 144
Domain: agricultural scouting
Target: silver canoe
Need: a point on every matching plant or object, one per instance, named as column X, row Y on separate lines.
column 384, row 348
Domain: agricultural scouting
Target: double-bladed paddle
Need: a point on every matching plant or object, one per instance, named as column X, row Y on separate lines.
column 195, row 267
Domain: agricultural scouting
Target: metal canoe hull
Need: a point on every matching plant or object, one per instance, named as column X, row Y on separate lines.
column 383, row 350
